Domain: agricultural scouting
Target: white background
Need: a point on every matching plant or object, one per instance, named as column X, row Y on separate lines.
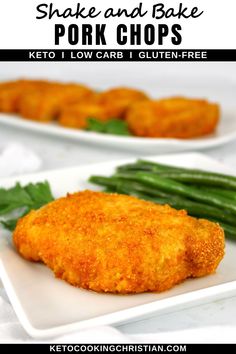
column 19, row 28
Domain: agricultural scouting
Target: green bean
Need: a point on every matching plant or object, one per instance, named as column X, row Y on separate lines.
column 110, row 190
column 199, row 178
column 134, row 167
column 173, row 187
column 182, row 174
column 143, row 165
column 108, row 182
column 219, row 191
column 193, row 208
column 158, row 166
column 112, row 182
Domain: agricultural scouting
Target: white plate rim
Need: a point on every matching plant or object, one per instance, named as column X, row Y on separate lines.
column 114, row 140
column 115, row 317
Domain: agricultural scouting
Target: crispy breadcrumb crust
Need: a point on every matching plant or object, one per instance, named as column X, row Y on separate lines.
column 45, row 105
column 176, row 117
column 11, row 93
column 103, row 106
column 117, row 100
column 76, row 116
column 119, row 244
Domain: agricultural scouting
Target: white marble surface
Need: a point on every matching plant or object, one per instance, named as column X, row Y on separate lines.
column 57, row 153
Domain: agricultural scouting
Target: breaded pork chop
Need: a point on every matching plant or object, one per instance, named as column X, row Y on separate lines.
column 175, row 117
column 117, row 100
column 45, row 105
column 119, row 244
column 12, row 92
column 102, row 106
column 76, row 115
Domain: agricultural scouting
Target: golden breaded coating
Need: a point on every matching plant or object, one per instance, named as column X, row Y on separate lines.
column 11, row 93
column 118, row 243
column 45, row 105
column 117, row 100
column 173, row 118
column 102, row 106
column 76, row 116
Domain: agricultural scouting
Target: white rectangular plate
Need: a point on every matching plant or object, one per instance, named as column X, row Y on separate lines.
column 225, row 133
column 47, row 306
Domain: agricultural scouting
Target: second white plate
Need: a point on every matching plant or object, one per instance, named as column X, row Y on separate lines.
column 226, row 132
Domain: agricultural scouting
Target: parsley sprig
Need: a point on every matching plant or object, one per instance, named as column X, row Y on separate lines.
column 19, row 200
column 113, row 126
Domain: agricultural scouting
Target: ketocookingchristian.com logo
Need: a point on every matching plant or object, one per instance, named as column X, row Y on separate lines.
column 126, row 348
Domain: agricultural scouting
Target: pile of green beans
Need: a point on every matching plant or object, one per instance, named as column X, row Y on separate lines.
column 202, row 194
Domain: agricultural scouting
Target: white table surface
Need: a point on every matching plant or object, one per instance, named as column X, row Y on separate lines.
column 59, row 153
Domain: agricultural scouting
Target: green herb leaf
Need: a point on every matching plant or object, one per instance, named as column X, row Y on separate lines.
column 21, row 200
column 6, row 209
column 9, row 224
column 40, row 193
column 14, row 196
column 95, row 125
column 117, row 127
column 113, row 126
